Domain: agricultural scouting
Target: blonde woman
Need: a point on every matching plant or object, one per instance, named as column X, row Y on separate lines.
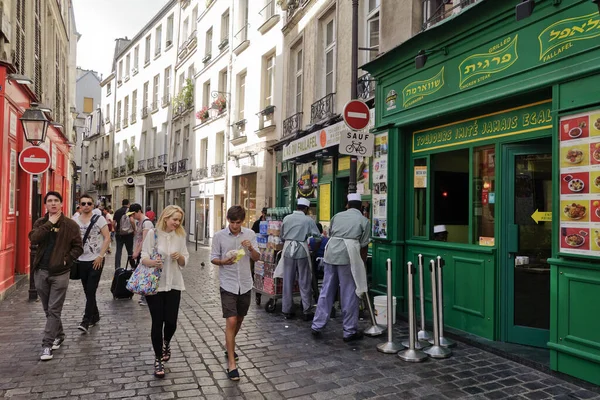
column 171, row 258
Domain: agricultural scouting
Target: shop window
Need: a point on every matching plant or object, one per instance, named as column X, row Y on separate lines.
column 420, row 199
column 327, row 167
column 307, row 180
column 484, row 192
column 362, row 175
column 450, row 193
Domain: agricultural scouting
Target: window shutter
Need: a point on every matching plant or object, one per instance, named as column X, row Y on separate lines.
column 37, row 71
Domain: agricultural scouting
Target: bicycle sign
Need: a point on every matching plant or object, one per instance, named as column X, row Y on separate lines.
column 357, row 143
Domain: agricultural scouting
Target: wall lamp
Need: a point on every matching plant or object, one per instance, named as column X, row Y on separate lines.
column 524, row 9
column 20, row 79
column 598, row 4
column 421, row 57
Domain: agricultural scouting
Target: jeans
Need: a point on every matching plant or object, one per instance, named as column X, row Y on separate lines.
column 90, row 278
column 126, row 240
column 52, row 290
column 164, row 307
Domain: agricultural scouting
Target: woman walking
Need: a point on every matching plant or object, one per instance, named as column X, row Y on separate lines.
column 171, row 257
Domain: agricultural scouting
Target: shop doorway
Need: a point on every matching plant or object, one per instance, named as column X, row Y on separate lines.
column 341, row 192
column 527, row 242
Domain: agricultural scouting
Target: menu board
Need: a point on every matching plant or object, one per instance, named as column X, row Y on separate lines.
column 580, row 184
column 380, row 186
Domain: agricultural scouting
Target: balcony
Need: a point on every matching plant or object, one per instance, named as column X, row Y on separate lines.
column 166, row 99
column 115, row 173
column 141, row 165
column 122, row 170
column 144, row 112
column 240, row 40
column 154, row 105
column 217, row 170
column 173, row 168
column 105, row 154
column 206, row 58
column 239, row 133
column 162, row 161
column 133, row 118
column 223, row 45
column 150, row 164
column 366, row 87
column 193, row 40
column 292, row 125
column 182, row 165
column 322, row 109
column 201, row 173
column 435, row 11
column 293, row 7
column 269, row 17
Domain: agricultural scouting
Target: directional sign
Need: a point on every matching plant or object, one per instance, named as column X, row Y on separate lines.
column 541, row 216
column 356, row 115
column 357, row 143
column 34, row 160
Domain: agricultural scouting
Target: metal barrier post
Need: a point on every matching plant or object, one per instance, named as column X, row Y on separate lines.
column 423, row 335
column 411, row 354
column 436, row 351
column 374, row 329
column 444, row 342
column 390, row 347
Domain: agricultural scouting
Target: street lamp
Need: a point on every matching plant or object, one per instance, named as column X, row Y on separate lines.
column 35, row 125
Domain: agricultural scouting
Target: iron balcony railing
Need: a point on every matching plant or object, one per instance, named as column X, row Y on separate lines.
column 217, row 170
column 166, row 99
column 173, row 168
column 268, row 11
column 366, row 87
column 322, row 109
column 106, row 154
column 122, row 170
column 142, row 165
column 241, row 36
column 144, row 112
column 150, row 163
column 154, row 105
column 115, row 173
column 162, row 160
column 182, row 165
column 292, row 125
column 201, row 173
column 133, row 118
column 435, row 11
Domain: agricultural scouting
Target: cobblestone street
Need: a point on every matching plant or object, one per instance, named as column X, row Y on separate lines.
column 278, row 359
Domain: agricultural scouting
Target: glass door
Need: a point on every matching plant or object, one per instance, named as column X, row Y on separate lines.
column 527, row 233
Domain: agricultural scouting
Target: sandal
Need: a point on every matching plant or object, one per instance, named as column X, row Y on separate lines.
column 234, row 375
column 166, row 353
column 159, row 369
column 235, row 356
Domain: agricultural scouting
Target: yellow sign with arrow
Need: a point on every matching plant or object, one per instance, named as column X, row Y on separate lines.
column 541, row 216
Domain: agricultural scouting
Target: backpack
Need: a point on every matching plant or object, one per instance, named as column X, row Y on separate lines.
column 125, row 227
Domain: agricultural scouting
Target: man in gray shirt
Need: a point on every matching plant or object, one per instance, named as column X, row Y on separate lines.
column 296, row 228
column 344, row 259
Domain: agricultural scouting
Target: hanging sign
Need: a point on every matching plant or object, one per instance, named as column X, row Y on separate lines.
column 357, row 143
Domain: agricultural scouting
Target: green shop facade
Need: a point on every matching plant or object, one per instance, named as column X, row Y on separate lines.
column 497, row 137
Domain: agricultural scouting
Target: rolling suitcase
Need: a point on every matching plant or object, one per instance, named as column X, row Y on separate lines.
column 118, row 289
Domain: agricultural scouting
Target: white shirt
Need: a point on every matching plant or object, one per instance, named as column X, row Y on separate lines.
column 168, row 243
column 96, row 211
column 93, row 245
column 235, row 278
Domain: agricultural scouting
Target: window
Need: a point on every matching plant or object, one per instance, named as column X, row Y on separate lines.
column 155, row 93
column 204, row 153
column 108, row 89
column 225, row 26
column 181, row 81
column 372, row 29
column 186, row 141
column 208, row 44
column 19, row 59
column 170, row 30
column 157, row 40
column 329, row 54
column 241, row 95
column 484, row 189
column 118, row 115
column 184, row 29
column 120, row 73
column 133, row 105
column 126, row 110
column 177, row 145
column 107, row 112
column 194, row 19
column 420, row 211
column 144, row 148
column 299, row 54
column 88, row 105
column 269, row 76
column 191, row 71
column 127, row 65
column 136, row 58
column 147, row 56
column 223, row 80
column 206, row 94
column 145, row 94
column 220, row 148
column 167, row 85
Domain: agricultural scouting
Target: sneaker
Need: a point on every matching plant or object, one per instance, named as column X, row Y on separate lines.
column 95, row 320
column 142, row 301
column 46, row 354
column 84, row 326
column 57, row 343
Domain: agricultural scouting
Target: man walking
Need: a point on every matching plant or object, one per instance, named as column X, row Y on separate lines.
column 59, row 245
column 235, row 278
column 96, row 241
column 296, row 228
column 150, row 214
column 344, row 258
column 123, row 233
column 142, row 226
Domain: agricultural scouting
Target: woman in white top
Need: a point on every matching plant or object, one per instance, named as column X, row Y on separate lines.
column 164, row 305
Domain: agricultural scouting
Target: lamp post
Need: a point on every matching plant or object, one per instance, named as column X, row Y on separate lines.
column 35, row 127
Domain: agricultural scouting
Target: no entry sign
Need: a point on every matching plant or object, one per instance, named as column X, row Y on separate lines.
column 356, row 115
column 34, row 160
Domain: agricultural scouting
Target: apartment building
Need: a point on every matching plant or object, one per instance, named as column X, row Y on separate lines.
column 211, row 119
column 255, row 120
column 138, row 97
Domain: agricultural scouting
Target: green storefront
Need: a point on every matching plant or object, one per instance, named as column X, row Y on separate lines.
column 497, row 137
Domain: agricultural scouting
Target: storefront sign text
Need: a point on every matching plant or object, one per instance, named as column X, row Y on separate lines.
column 519, row 120
column 480, row 67
column 416, row 91
column 560, row 36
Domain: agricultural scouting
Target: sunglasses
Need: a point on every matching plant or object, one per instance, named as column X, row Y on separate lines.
column 86, row 204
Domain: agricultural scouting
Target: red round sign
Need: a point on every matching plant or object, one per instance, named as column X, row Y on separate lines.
column 356, row 115
column 34, row 160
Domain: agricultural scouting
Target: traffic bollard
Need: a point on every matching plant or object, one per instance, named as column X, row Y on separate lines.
column 444, row 341
column 419, row 343
column 423, row 335
column 412, row 354
column 390, row 347
column 436, row 351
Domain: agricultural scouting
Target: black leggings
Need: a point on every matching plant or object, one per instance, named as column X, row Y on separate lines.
column 164, row 307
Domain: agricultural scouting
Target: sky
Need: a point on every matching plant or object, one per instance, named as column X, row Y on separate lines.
column 100, row 22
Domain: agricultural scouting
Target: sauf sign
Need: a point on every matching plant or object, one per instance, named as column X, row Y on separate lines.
column 357, row 142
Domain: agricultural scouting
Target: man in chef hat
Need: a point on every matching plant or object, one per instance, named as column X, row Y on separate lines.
column 344, row 262
column 295, row 230
column 440, row 233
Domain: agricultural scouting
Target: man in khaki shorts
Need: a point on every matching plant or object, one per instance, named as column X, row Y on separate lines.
column 235, row 277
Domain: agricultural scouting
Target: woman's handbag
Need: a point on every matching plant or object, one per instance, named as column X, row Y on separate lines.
column 144, row 280
column 74, row 274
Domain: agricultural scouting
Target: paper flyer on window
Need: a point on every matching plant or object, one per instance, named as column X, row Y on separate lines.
column 380, row 186
column 580, row 184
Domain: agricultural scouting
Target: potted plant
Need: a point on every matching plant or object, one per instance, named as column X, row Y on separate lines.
column 203, row 115
column 130, row 159
column 187, row 94
column 220, row 104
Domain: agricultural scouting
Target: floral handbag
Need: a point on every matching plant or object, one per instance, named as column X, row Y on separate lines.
column 144, row 280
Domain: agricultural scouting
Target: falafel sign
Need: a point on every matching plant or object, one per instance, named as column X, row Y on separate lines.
column 580, row 184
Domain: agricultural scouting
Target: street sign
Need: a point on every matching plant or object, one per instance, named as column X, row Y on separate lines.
column 357, row 143
column 356, row 115
column 34, row 160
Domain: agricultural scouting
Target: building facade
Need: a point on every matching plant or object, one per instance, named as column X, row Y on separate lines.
column 37, row 65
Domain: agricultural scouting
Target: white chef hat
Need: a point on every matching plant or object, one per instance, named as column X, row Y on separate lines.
column 354, row 197
column 303, row 202
column 439, row 229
